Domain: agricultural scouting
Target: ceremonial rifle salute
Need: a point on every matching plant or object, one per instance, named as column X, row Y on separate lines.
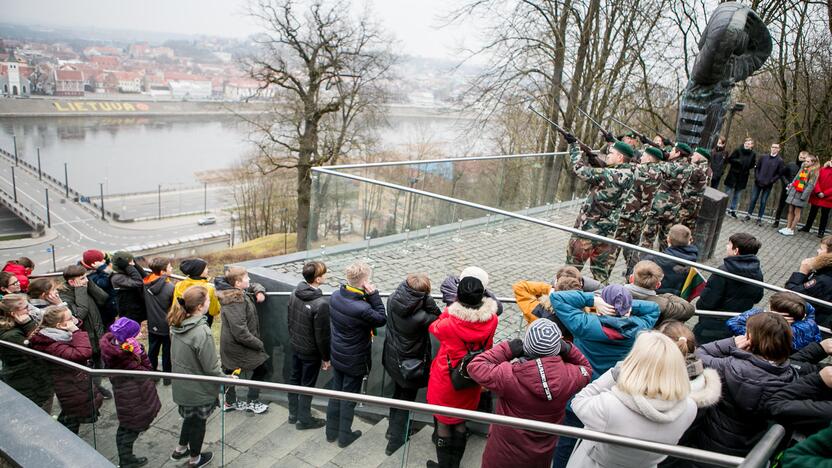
column 602, row 207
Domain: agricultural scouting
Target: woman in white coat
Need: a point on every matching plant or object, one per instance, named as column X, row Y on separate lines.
column 646, row 396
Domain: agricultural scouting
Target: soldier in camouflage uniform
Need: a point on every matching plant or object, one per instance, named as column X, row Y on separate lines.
column 599, row 213
column 694, row 191
column 637, row 203
column 665, row 209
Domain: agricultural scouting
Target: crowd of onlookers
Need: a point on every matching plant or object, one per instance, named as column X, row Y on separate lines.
column 619, row 359
column 802, row 182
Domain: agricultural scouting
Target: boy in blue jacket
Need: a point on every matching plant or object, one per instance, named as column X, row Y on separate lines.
column 605, row 336
column 799, row 313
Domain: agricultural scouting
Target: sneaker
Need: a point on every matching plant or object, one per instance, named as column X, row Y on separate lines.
column 787, row 232
column 204, row 459
column 166, row 382
column 775, row 224
column 256, row 407
column 747, row 218
column 105, row 393
column 804, row 229
column 313, row 423
column 226, row 407
column 176, row 456
column 759, row 222
column 349, row 439
column 733, row 214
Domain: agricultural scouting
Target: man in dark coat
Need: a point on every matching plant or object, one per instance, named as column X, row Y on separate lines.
column 407, row 350
column 308, row 313
column 241, row 347
column 158, row 298
column 718, row 162
column 766, row 174
column 355, row 310
column 127, row 282
column 728, row 295
column 741, row 161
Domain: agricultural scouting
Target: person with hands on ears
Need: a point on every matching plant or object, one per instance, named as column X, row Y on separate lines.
column 27, row 374
column 355, row 310
column 534, row 378
column 814, row 278
column 799, row 314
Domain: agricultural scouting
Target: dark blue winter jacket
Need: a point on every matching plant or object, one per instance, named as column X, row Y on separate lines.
column 674, row 273
column 352, row 317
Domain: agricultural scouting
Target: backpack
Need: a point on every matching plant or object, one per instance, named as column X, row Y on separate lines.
column 459, row 373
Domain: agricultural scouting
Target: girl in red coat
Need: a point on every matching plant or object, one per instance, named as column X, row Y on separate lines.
column 821, row 198
column 60, row 335
column 22, row 268
column 466, row 325
column 137, row 402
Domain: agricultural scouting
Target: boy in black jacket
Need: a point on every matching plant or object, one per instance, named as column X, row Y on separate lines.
column 309, row 335
column 727, row 295
column 158, row 297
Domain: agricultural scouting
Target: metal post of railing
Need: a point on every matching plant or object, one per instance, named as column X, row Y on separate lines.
column 14, row 186
column 66, row 179
column 759, row 455
column 48, row 214
column 101, row 188
column 14, row 143
column 40, row 174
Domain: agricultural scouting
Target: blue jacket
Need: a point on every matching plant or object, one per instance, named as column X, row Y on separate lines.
column 102, row 279
column 604, row 340
column 352, row 318
column 803, row 331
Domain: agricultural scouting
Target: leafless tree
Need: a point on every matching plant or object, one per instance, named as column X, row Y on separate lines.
column 327, row 68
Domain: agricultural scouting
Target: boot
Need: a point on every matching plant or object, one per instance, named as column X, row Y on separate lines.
column 444, row 453
column 132, row 461
column 458, row 448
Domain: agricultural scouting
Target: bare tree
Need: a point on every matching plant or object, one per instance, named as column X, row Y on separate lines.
column 327, row 69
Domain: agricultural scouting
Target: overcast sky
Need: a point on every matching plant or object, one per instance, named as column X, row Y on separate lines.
column 414, row 23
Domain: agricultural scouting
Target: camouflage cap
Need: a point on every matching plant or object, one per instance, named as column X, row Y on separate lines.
column 703, row 152
column 624, row 149
column 683, row 147
column 655, row 152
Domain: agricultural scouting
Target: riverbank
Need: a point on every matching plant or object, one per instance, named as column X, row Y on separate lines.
column 112, row 106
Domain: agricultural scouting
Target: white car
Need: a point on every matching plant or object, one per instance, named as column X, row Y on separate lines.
column 207, row 220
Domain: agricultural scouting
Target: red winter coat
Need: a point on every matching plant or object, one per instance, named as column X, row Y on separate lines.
column 520, row 388
column 823, row 185
column 457, row 326
column 137, row 402
column 72, row 387
column 21, row 272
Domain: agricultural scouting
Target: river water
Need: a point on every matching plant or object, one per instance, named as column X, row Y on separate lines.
column 135, row 154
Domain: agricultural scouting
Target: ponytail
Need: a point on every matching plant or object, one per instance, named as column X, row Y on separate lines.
column 188, row 304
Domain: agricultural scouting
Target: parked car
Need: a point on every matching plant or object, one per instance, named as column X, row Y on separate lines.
column 207, row 220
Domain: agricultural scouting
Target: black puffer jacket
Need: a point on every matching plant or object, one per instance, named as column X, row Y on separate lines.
column 728, row 295
column 740, row 418
column 308, row 312
column 25, row 373
column 353, row 316
column 409, row 313
column 818, row 283
column 807, row 360
column 158, row 297
column 675, row 274
column 130, row 293
column 805, row 405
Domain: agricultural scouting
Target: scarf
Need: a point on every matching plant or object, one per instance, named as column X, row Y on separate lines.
column 802, row 178
column 56, row 334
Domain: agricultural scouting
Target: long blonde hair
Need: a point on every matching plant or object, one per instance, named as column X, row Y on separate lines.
column 655, row 368
column 9, row 304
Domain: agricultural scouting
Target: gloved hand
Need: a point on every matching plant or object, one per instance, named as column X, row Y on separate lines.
column 644, row 140
column 608, row 137
column 516, row 347
column 570, row 138
column 565, row 348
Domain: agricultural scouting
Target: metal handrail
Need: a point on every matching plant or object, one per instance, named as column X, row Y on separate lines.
column 445, row 160
column 487, row 418
column 333, row 171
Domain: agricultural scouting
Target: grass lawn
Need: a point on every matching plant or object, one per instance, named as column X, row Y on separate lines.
column 262, row 247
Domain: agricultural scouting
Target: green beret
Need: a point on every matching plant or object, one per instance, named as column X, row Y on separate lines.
column 683, row 147
column 703, row 152
column 655, row 152
column 624, row 149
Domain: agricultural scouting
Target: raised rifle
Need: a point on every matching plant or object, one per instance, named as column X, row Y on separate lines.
column 594, row 160
column 607, row 134
column 638, row 134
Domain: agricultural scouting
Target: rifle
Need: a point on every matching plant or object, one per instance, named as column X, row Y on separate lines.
column 607, row 134
column 594, row 160
column 640, row 136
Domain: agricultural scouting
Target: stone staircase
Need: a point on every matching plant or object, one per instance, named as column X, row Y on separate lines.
column 268, row 440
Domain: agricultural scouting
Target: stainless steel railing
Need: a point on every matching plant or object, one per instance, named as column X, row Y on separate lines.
column 766, row 444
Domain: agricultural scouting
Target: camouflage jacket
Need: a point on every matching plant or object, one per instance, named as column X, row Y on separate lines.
column 700, row 177
column 607, row 187
column 674, row 177
column 639, row 200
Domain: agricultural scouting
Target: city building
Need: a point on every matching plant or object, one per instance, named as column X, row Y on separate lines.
column 68, row 82
column 12, row 81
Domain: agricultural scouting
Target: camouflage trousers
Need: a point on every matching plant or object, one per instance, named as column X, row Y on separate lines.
column 629, row 232
column 688, row 215
column 657, row 226
column 579, row 250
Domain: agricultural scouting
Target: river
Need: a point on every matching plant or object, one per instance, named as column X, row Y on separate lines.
column 136, row 154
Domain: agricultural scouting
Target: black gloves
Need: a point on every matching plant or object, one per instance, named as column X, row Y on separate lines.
column 570, row 138
column 644, row 140
column 608, row 137
column 516, row 347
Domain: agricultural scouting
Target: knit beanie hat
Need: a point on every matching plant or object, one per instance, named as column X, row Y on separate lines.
column 470, row 292
column 543, row 338
column 124, row 329
column 121, row 259
column 193, row 267
column 477, row 273
column 91, row 256
column 619, row 298
column 624, row 149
